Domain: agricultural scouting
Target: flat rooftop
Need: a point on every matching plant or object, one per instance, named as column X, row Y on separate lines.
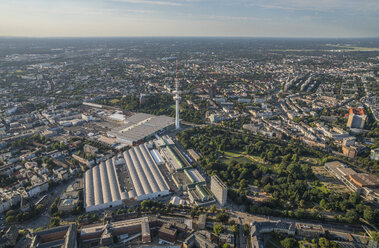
column 340, row 169
column 366, row 180
column 140, row 126
column 218, row 181
column 195, row 174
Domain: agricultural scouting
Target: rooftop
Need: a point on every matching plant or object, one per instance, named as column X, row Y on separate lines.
column 139, row 126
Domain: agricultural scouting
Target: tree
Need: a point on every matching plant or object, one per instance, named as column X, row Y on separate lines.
column 246, row 229
column 55, row 221
column 193, row 213
column 352, row 216
column 54, row 206
column 222, row 217
column 375, row 236
column 368, row 214
column 213, row 209
column 323, row 243
column 235, row 228
column 267, row 188
column 217, row 229
column 10, row 213
column 10, row 219
column 288, row 243
column 323, row 204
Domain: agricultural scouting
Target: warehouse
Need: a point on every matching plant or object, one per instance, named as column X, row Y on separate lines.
column 195, row 175
column 148, row 182
column 157, row 157
column 102, row 188
column 134, row 175
column 139, row 127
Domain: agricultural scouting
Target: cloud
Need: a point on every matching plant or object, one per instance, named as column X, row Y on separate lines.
column 151, row 2
column 231, row 18
column 319, row 5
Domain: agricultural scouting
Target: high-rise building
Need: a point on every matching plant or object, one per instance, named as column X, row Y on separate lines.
column 219, row 190
column 356, row 121
column 212, row 91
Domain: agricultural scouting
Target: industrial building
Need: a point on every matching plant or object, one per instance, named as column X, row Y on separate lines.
column 365, row 180
column 193, row 154
column 134, row 230
column 102, row 235
column 102, row 188
column 157, row 157
column 134, row 175
column 140, row 126
column 200, row 195
column 62, row 236
column 339, row 170
column 219, row 190
column 363, row 183
column 146, row 178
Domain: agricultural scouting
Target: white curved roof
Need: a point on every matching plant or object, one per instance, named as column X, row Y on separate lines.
column 101, row 184
column 90, row 198
column 107, row 197
column 97, row 185
column 133, row 174
column 113, row 180
column 144, row 172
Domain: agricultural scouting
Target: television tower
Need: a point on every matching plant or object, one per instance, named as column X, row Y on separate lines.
column 177, row 98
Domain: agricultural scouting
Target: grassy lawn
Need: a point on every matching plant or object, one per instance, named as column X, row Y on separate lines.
column 240, row 160
column 114, row 101
column 256, row 159
column 234, row 153
column 310, row 160
column 173, row 106
column 241, row 157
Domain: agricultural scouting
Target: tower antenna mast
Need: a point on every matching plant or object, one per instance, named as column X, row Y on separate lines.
column 177, row 97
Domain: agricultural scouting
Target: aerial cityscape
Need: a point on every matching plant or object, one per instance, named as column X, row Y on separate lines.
column 169, row 124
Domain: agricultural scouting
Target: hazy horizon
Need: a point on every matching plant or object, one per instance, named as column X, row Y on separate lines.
column 190, row 18
column 200, row 37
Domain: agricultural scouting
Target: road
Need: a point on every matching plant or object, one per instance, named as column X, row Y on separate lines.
column 332, row 227
column 242, row 240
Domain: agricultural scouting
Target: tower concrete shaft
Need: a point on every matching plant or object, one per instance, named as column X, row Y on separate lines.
column 177, row 100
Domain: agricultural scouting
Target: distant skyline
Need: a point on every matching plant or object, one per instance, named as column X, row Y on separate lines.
column 252, row 18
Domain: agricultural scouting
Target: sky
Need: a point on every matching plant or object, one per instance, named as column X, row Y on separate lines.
column 252, row 18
